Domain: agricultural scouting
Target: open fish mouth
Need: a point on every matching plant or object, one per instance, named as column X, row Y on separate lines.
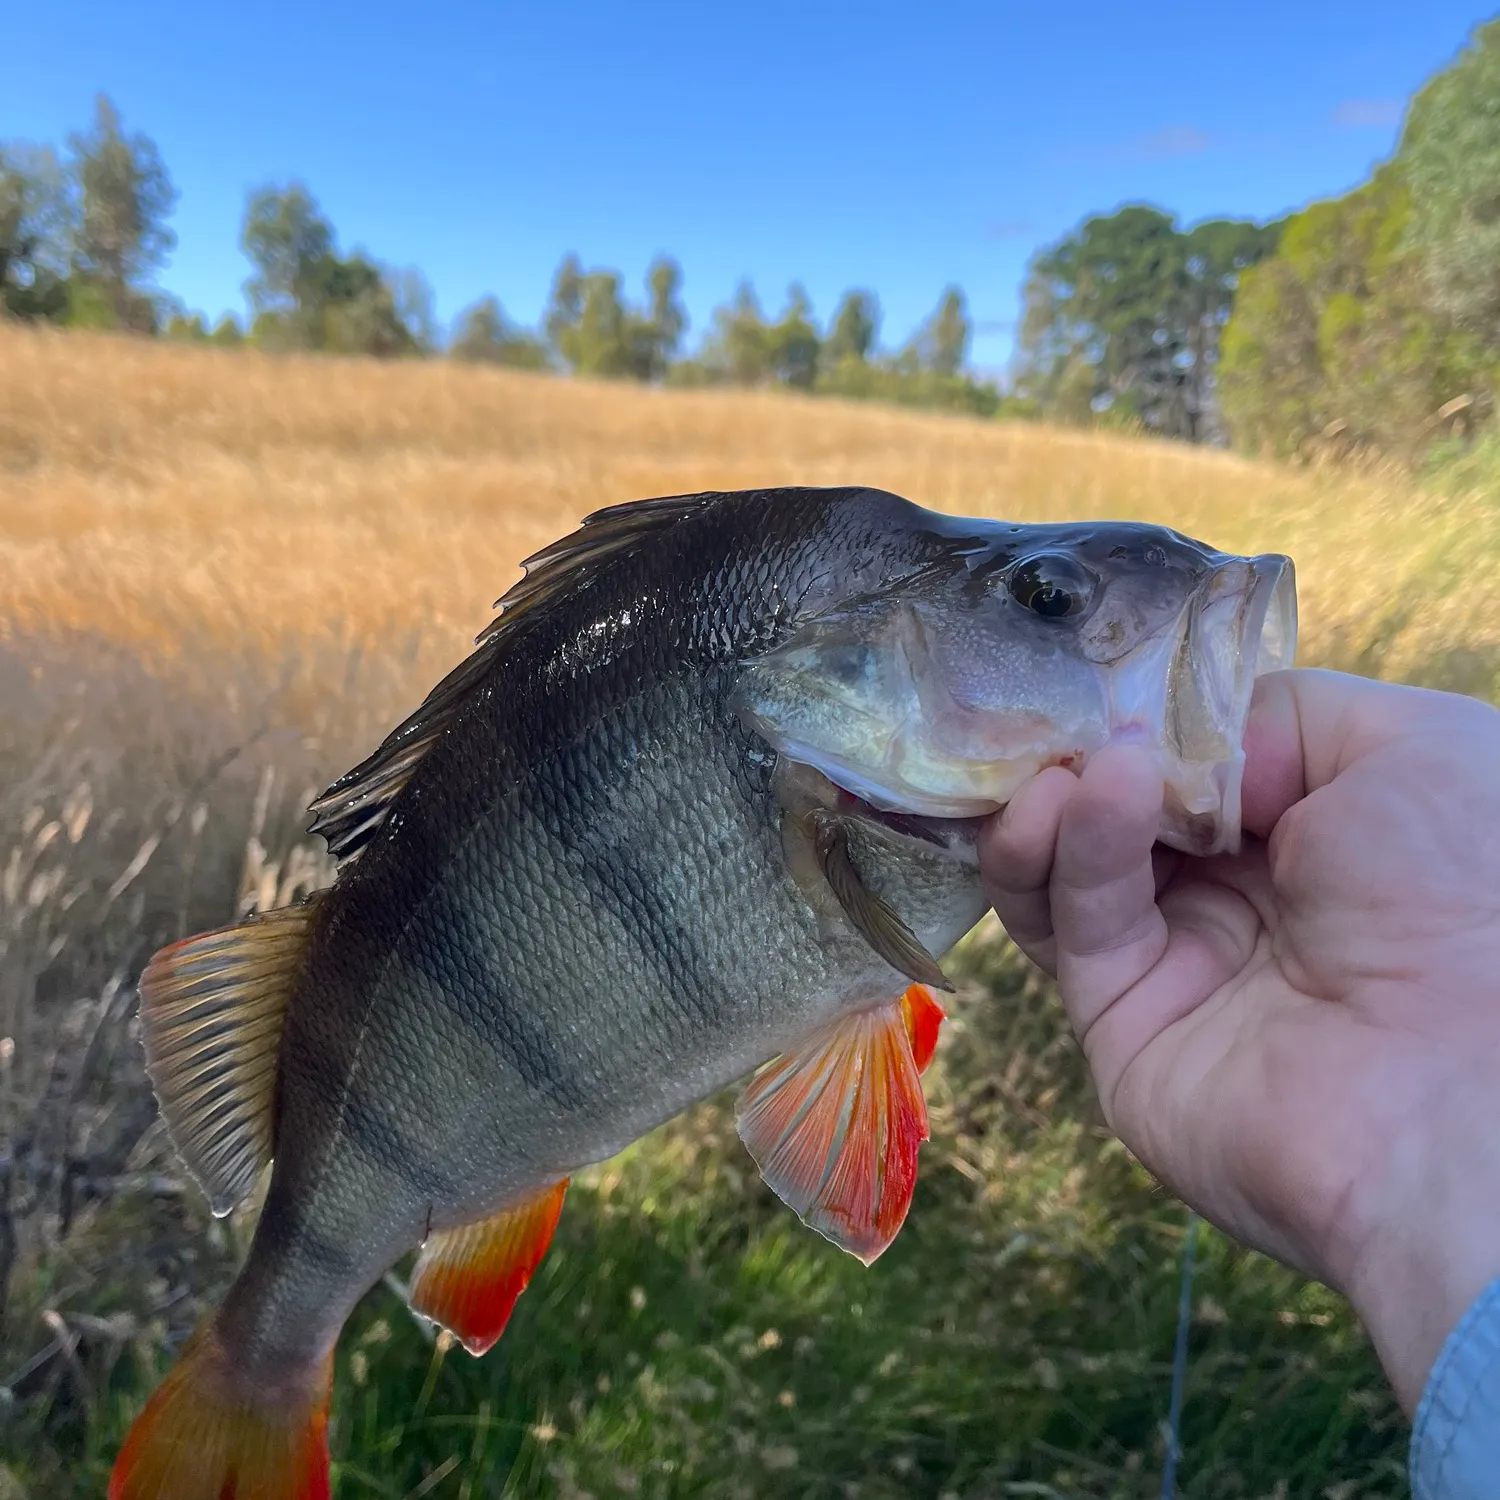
column 1240, row 625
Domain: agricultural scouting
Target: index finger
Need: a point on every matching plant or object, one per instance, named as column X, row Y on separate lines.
column 1015, row 851
column 1109, row 930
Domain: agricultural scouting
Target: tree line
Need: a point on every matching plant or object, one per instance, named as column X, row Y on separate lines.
column 1376, row 324
column 84, row 232
column 1367, row 322
column 1370, row 321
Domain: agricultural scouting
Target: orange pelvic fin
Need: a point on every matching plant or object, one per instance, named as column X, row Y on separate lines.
column 835, row 1126
column 924, row 1019
column 199, row 1438
column 468, row 1278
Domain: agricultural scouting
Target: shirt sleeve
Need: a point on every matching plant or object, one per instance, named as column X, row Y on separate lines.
column 1455, row 1446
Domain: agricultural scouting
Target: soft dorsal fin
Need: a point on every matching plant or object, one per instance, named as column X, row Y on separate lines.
column 351, row 811
column 468, row 1278
column 212, row 1012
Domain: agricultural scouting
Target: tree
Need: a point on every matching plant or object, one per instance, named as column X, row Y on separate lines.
column 1109, row 296
column 855, row 325
column 598, row 341
column 412, row 300
column 1139, row 305
column 1377, row 321
column 358, row 311
column 738, row 348
column 185, row 327
column 125, row 198
column 945, row 341
column 1338, row 334
column 565, row 304
column 36, row 220
column 288, row 241
column 659, row 335
column 1218, row 253
column 307, row 296
column 792, row 345
column 1450, row 159
column 484, row 335
column 594, row 331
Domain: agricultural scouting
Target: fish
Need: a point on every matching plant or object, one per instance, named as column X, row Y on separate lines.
column 700, row 806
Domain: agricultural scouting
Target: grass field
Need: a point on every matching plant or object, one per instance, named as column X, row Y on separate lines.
column 222, row 577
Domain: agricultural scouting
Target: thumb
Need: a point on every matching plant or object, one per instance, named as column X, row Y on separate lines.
column 1306, row 727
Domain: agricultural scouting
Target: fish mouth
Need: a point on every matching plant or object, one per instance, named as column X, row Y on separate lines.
column 1240, row 624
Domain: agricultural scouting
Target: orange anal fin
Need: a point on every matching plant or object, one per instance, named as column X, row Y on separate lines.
column 468, row 1278
column 835, row 1127
column 924, row 1019
column 199, row 1439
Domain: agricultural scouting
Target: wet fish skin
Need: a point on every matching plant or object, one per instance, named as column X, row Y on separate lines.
column 544, row 953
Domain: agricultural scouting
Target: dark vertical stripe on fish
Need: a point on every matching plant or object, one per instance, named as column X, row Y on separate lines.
column 627, row 885
column 372, row 1122
column 465, row 976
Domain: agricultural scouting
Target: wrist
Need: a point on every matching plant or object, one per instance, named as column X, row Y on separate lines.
column 1426, row 1242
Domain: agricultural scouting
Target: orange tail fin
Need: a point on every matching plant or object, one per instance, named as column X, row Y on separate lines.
column 200, row 1438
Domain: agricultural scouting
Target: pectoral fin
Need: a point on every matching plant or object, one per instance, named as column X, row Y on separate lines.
column 836, row 1125
column 876, row 920
column 468, row 1278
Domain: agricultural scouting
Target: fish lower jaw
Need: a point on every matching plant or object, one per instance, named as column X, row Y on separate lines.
column 1201, row 799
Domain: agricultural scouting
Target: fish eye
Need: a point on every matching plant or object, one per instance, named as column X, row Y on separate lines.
column 1051, row 585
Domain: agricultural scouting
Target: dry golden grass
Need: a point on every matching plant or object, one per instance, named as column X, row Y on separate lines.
column 163, row 494
column 222, row 577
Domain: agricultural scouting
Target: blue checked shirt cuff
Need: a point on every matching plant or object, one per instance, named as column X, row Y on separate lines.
column 1455, row 1446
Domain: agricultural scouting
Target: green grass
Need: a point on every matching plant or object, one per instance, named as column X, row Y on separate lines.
column 686, row 1336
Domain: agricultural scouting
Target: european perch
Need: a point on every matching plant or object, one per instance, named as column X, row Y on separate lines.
column 704, row 796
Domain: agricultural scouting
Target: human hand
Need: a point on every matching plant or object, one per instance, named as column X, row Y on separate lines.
column 1301, row 1040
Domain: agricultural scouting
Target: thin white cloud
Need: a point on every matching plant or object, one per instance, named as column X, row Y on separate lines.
column 1368, row 114
column 1171, row 142
column 1009, row 229
column 1166, row 143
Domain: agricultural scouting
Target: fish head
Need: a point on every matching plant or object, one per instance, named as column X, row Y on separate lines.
column 1014, row 648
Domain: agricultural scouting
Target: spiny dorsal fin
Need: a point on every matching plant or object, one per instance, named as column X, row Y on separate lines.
column 468, row 1278
column 351, row 811
column 212, row 1011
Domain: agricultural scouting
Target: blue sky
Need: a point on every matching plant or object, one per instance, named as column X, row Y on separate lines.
column 897, row 147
